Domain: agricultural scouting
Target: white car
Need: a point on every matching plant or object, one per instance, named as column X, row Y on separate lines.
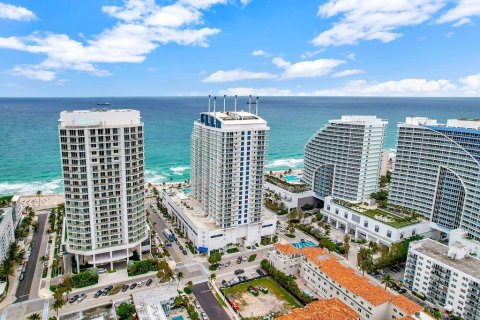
column 140, row 284
column 204, row 316
column 244, row 258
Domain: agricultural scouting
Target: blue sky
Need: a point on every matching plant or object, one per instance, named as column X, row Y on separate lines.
column 261, row 47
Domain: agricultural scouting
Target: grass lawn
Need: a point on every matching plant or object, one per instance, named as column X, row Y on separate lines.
column 220, row 300
column 397, row 222
column 290, row 235
column 267, row 282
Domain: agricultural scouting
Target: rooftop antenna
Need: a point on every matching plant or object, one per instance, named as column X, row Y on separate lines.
column 214, row 104
column 256, row 107
column 249, row 104
column 224, row 97
column 209, row 96
column 235, row 103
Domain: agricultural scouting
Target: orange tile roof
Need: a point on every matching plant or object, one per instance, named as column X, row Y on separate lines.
column 324, row 309
column 287, row 249
column 347, row 277
column 406, row 304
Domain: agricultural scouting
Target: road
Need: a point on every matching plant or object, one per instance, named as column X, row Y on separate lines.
column 24, row 287
column 209, row 303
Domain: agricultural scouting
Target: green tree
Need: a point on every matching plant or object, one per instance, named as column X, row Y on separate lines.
column 34, row 316
column 214, row 257
column 58, row 301
column 364, row 260
column 39, row 193
column 135, row 256
column 6, row 270
column 346, row 244
column 68, row 284
column 387, row 280
column 180, row 276
column 125, row 311
column 212, row 277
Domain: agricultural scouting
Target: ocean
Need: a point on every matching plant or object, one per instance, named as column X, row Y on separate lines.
column 29, row 150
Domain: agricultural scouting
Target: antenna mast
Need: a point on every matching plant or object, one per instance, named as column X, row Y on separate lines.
column 250, row 104
column 209, row 96
column 224, row 97
column 235, row 103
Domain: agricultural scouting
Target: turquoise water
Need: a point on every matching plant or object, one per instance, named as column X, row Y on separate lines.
column 177, row 318
column 305, row 244
column 29, row 153
column 291, row 178
column 187, row 190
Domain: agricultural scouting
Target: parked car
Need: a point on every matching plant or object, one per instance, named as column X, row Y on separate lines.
column 260, row 272
column 224, row 283
column 73, row 299
column 140, row 284
column 81, row 297
column 239, row 260
column 402, row 290
column 22, row 276
column 204, row 316
column 180, row 247
column 239, row 271
column 227, row 264
column 98, row 294
column 168, row 244
column 107, row 290
column 184, row 252
column 149, row 282
column 133, row 285
column 244, row 258
column 125, row 287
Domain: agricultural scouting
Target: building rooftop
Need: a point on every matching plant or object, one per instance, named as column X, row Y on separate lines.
column 324, row 309
column 148, row 303
column 365, row 120
column 406, row 304
column 287, row 249
column 463, row 123
column 193, row 209
column 233, row 117
column 435, row 250
column 99, row 117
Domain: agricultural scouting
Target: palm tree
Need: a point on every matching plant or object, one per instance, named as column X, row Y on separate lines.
column 190, row 284
column 346, row 244
column 364, row 260
column 58, row 302
column 6, row 269
column 67, row 284
column 212, row 277
column 180, row 276
column 387, row 280
column 39, row 193
column 43, row 259
column 34, row 316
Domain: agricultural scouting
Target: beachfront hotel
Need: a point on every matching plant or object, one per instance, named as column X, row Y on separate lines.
column 447, row 276
column 437, row 172
column 343, row 159
column 102, row 154
column 225, row 205
column 342, row 291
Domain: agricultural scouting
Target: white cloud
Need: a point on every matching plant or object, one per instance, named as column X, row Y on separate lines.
column 260, row 53
column 415, row 87
column 244, row 91
column 237, row 75
column 143, row 26
column 372, row 20
column 350, row 55
column 347, row 72
column 449, row 34
column 461, row 22
column 306, row 69
column 310, row 54
column 461, row 12
column 32, row 72
column 280, row 62
column 471, row 85
column 11, row 12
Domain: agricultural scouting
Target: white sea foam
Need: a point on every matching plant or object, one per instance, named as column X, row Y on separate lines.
column 291, row 163
column 152, row 176
column 21, row 188
column 179, row 170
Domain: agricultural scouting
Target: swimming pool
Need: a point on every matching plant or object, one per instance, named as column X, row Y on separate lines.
column 291, row 178
column 305, row 244
column 177, row 318
column 187, row 190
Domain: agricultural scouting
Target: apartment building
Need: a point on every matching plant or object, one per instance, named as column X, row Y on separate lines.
column 446, row 275
column 343, row 159
column 7, row 231
column 329, row 278
column 102, row 155
column 437, row 172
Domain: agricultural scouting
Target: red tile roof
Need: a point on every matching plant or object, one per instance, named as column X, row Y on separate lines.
column 324, row 309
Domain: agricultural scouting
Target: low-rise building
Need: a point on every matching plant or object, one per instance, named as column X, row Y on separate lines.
column 371, row 223
column 7, row 234
column 285, row 258
column 196, row 224
column 323, row 309
column 329, row 278
column 156, row 303
column 292, row 198
column 446, row 275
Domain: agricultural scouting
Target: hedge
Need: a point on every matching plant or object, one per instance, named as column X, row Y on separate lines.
column 85, row 278
column 140, row 267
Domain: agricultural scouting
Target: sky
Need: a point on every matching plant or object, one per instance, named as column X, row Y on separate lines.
column 52, row 48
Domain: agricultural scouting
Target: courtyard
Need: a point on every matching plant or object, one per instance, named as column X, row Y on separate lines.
column 277, row 301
